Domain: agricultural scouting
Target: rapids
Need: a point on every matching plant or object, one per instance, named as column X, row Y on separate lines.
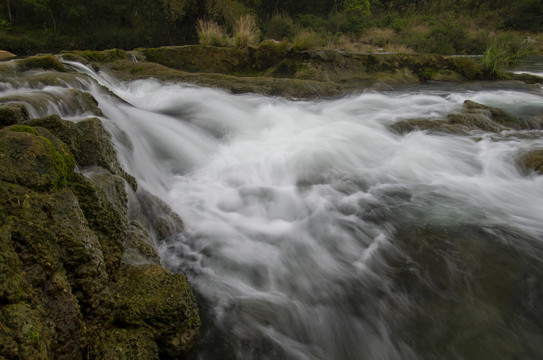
column 313, row 231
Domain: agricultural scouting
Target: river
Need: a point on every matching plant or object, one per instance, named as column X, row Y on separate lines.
column 314, row 231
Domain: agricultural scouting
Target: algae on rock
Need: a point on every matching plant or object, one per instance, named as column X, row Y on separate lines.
column 63, row 238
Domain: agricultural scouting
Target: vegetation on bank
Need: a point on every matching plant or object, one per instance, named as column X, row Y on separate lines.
column 428, row 26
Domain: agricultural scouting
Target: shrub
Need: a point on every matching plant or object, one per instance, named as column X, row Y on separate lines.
column 246, row 31
column 211, row 33
column 305, row 40
column 279, row 27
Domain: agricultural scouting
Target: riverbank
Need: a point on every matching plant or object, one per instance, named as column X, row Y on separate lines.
column 272, row 69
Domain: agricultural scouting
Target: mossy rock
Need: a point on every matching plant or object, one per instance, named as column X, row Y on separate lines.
column 139, row 248
column 125, row 344
column 531, row 162
column 32, row 160
column 105, row 55
column 13, row 284
column 12, row 113
column 104, row 219
column 47, row 62
column 150, row 296
column 498, row 115
column 474, row 121
column 26, row 333
column 198, row 58
column 468, row 68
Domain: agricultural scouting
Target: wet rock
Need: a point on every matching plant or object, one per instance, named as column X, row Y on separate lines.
column 531, row 162
column 500, row 116
column 162, row 221
column 463, row 283
column 148, row 296
column 438, row 126
column 139, row 247
column 12, row 113
column 474, row 120
column 95, row 149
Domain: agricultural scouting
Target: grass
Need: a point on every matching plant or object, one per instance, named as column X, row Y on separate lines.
column 211, row 33
column 505, row 51
column 246, row 31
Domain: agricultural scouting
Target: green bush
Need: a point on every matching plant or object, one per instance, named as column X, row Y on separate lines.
column 305, row 40
column 448, row 39
column 279, row 27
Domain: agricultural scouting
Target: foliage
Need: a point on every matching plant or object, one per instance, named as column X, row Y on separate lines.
column 506, row 51
column 4, row 24
column 211, row 33
column 305, row 40
column 279, row 27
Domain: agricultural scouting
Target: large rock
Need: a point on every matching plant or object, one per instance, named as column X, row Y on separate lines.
column 12, row 113
column 33, row 160
column 65, row 292
column 474, row 116
column 531, row 162
column 149, row 296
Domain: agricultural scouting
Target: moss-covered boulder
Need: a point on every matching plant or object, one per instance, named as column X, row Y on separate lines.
column 12, row 113
column 125, row 344
column 46, row 62
column 33, row 160
column 151, row 297
column 64, row 291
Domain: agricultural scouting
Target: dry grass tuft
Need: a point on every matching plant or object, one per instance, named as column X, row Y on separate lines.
column 246, row 31
column 211, row 33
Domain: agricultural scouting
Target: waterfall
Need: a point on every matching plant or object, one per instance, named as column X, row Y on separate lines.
column 314, row 231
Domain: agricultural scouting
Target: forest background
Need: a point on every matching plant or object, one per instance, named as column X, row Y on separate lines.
column 429, row 26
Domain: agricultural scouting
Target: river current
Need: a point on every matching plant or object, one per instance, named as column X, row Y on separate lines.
column 315, row 231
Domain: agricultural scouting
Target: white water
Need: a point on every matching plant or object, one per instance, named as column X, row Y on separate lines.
column 291, row 208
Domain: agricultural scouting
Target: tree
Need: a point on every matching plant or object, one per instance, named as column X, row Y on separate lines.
column 357, row 12
column 358, row 9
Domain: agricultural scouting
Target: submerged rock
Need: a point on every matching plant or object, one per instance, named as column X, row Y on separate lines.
column 474, row 116
column 531, row 162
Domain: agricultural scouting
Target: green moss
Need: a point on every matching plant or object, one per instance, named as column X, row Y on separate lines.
column 12, row 114
column 47, row 62
column 24, row 128
column 152, row 297
column 468, row 67
column 104, row 56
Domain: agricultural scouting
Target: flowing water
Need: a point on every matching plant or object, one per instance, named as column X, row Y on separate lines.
column 314, row 231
